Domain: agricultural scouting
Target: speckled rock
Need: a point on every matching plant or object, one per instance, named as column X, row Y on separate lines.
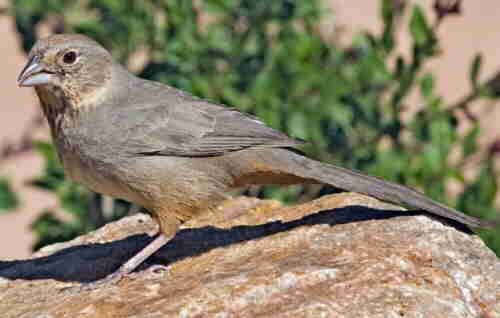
column 343, row 255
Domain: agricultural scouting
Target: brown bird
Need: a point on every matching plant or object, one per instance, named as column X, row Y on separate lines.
column 168, row 151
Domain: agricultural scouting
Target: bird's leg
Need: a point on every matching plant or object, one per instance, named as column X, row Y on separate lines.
column 140, row 257
column 132, row 263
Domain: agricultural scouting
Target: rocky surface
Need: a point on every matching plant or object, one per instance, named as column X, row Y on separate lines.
column 343, row 255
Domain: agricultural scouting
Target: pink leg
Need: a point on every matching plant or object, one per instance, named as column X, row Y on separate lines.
column 146, row 252
column 132, row 263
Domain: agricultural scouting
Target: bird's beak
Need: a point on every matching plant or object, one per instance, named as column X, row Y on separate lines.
column 34, row 73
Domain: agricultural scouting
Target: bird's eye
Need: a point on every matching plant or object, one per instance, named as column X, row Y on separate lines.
column 69, row 57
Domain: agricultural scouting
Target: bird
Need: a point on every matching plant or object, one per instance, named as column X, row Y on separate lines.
column 168, row 151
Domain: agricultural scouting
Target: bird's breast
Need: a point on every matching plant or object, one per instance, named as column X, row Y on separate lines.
column 88, row 161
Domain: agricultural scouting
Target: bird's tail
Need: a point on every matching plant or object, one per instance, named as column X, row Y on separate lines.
column 287, row 165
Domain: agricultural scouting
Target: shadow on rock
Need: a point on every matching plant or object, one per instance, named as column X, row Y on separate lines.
column 85, row 263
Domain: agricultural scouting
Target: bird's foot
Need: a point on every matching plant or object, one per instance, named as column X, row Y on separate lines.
column 159, row 270
column 111, row 279
column 115, row 278
column 126, row 268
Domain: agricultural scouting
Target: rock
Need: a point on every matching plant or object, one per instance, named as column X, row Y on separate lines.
column 343, row 255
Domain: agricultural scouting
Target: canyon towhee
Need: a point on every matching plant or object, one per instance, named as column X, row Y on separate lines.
column 170, row 152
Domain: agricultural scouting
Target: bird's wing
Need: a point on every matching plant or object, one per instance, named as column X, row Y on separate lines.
column 197, row 128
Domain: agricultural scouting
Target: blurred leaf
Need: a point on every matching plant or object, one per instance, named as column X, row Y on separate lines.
column 53, row 174
column 427, row 85
column 387, row 13
column 419, row 28
column 469, row 145
column 475, row 69
column 479, row 195
column 433, row 159
column 52, row 229
column 8, row 199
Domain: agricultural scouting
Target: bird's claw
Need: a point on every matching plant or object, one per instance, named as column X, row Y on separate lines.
column 159, row 269
column 111, row 279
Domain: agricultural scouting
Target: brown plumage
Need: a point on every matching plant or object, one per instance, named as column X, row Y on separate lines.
column 166, row 150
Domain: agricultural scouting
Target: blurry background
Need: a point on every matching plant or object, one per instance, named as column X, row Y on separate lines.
column 406, row 90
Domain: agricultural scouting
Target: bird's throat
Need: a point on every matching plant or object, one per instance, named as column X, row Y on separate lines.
column 56, row 107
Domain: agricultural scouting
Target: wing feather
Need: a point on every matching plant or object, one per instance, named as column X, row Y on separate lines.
column 204, row 129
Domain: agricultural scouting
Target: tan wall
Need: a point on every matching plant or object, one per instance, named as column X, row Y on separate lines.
column 474, row 31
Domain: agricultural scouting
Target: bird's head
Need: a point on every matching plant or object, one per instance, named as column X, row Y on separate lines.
column 69, row 64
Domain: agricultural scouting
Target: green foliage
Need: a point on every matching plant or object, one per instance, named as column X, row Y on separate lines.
column 475, row 70
column 269, row 58
column 8, row 199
